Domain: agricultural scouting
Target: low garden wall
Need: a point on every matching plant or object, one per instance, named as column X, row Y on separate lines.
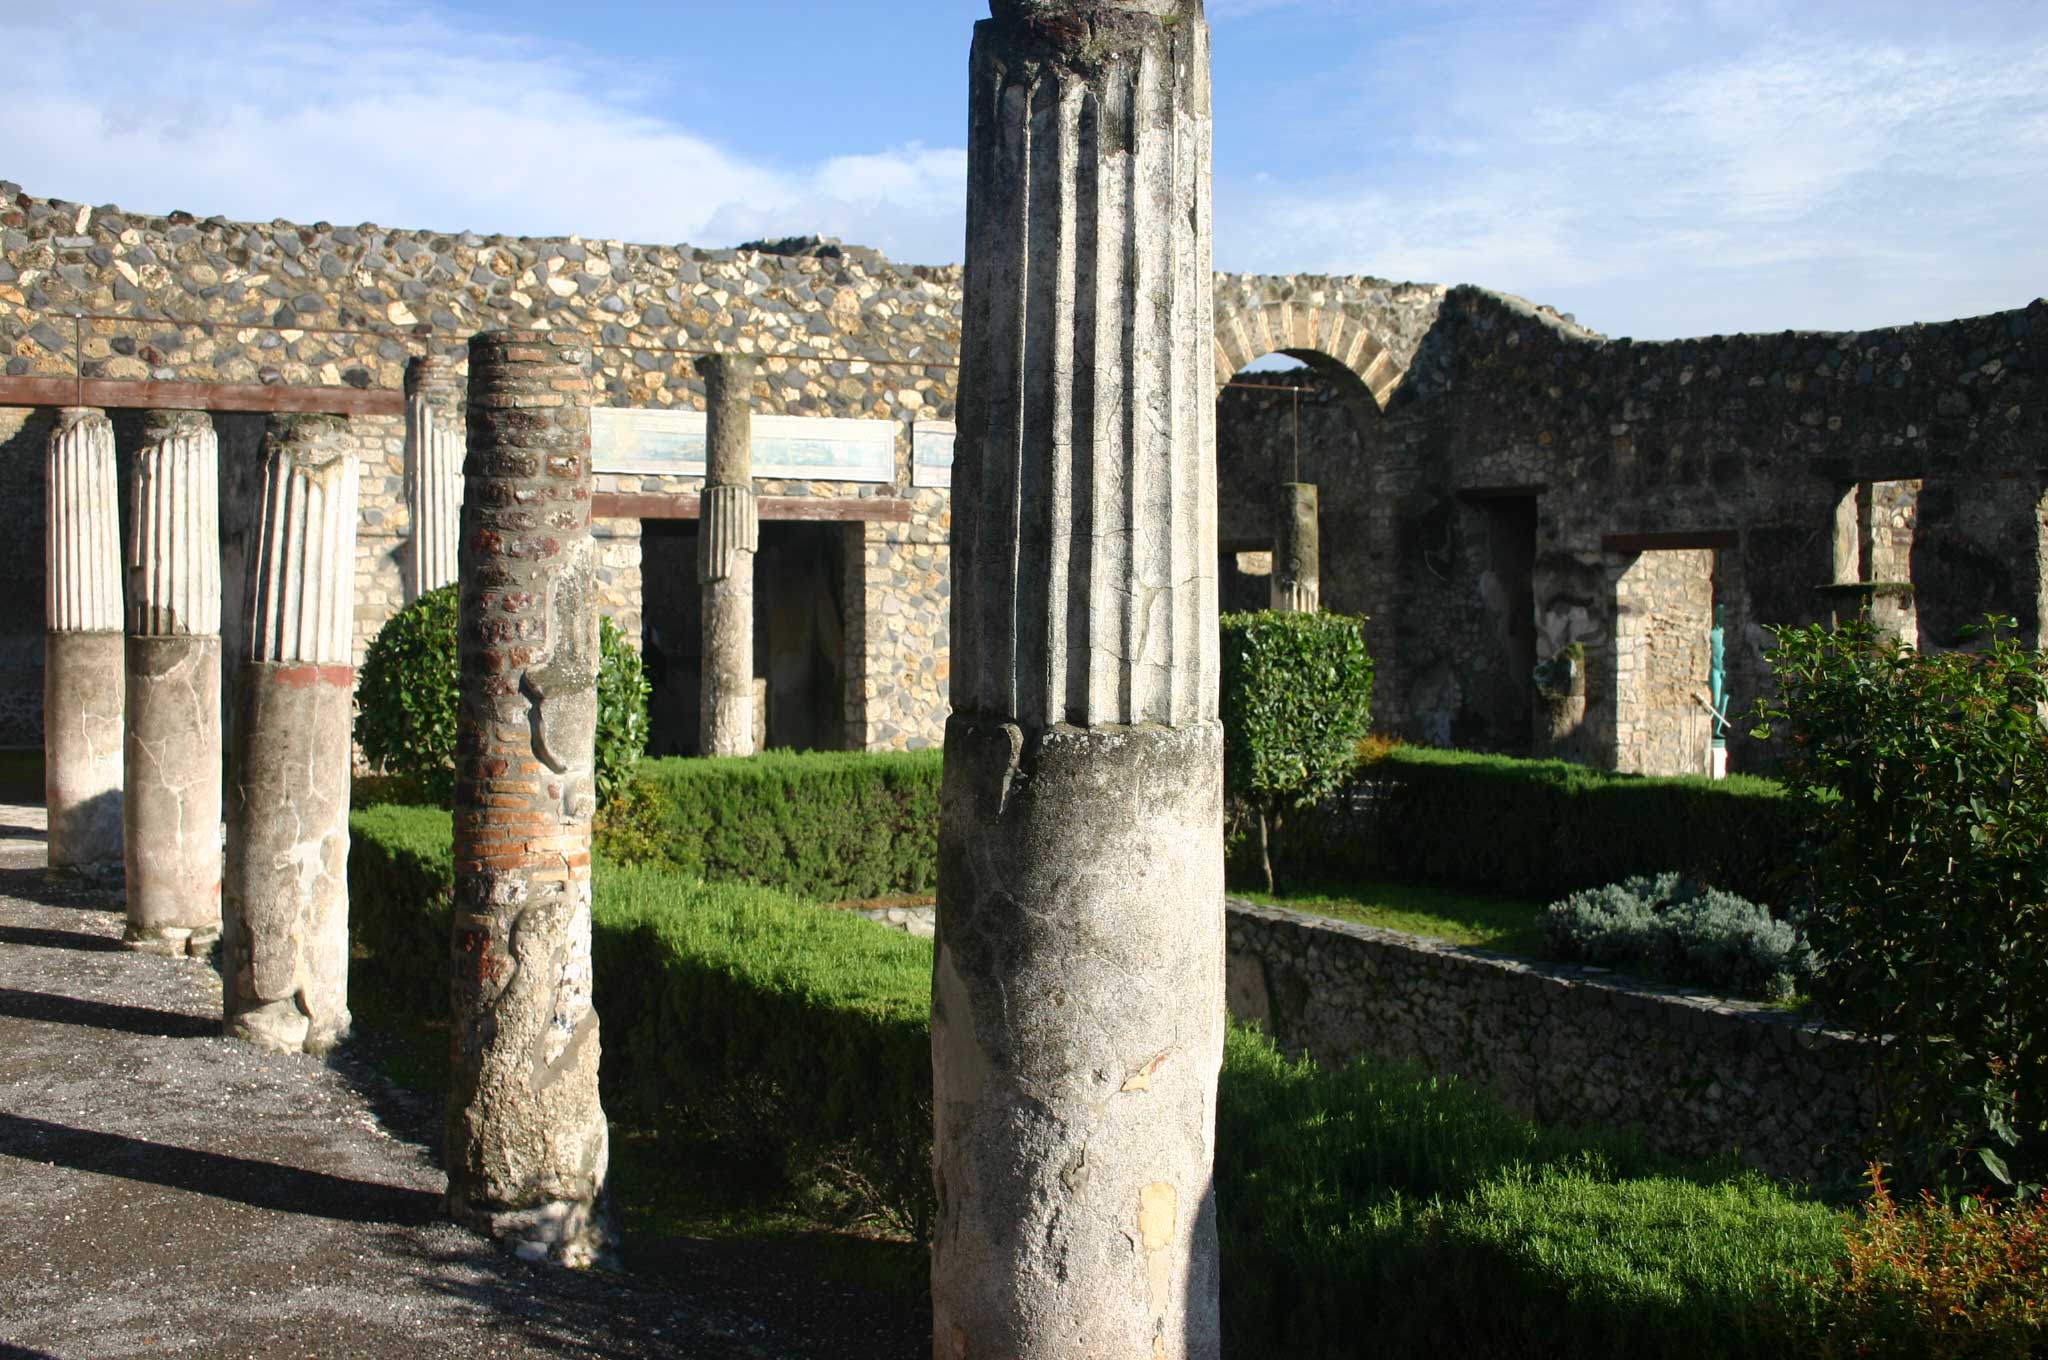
column 1692, row 1075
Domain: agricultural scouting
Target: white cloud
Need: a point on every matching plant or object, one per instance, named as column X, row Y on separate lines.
column 1759, row 167
column 370, row 111
column 1659, row 167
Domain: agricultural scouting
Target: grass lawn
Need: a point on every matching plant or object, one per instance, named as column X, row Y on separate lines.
column 1507, row 924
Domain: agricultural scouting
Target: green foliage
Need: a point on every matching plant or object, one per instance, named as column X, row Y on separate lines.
column 1940, row 1282
column 1375, row 1202
column 622, row 691
column 1365, row 1202
column 407, row 697
column 827, row 825
column 406, row 693
column 795, row 1032
column 1544, row 828
column 1928, row 778
column 1672, row 928
column 1296, row 700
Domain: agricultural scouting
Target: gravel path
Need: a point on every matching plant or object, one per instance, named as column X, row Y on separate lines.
column 172, row 1193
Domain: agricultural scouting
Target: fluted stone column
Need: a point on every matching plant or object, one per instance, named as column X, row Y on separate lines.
column 284, row 912
column 83, row 669
column 434, row 446
column 1077, row 1024
column 1297, row 549
column 526, row 1142
column 171, row 795
column 728, row 535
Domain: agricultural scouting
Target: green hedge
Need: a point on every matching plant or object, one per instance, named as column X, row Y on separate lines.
column 1542, row 828
column 1370, row 1205
column 757, row 1016
column 826, row 825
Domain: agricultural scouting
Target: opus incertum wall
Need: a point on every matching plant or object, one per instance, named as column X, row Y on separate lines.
column 1489, row 471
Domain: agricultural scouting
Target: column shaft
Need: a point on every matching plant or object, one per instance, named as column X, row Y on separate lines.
column 728, row 535
column 434, row 450
column 171, row 801
column 1077, row 1024
column 527, row 1147
column 83, row 680
column 285, row 900
column 1297, row 549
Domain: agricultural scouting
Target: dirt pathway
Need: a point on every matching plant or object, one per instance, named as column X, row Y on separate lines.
column 171, row 1193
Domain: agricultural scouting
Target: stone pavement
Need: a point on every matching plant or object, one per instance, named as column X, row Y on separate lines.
column 170, row 1192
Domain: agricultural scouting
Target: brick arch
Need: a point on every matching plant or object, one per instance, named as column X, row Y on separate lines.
column 1325, row 338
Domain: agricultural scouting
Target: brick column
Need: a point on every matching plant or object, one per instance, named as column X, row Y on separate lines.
column 83, row 680
column 171, row 796
column 1297, row 549
column 434, row 448
column 285, row 905
column 728, row 535
column 1077, row 996
column 526, row 1139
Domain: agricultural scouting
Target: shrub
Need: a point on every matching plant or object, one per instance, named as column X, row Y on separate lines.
column 1927, row 776
column 406, row 695
column 1544, row 828
column 1296, row 699
column 798, row 1033
column 1928, row 1280
column 622, row 691
column 1370, row 1201
column 828, row 825
column 1681, row 931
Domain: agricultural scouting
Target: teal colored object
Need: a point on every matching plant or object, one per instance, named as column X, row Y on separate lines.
column 1717, row 676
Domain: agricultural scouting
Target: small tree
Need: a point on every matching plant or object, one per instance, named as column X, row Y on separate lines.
column 1926, row 777
column 406, row 700
column 1297, row 699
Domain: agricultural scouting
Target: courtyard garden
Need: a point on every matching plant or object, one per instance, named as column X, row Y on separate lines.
column 767, row 1071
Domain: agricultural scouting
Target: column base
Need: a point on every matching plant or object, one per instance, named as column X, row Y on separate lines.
column 282, row 1027
column 573, row 1233
column 170, row 941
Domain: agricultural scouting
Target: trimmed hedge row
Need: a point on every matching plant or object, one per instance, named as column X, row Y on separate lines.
column 753, row 1015
column 1543, row 828
column 1370, row 1202
column 827, row 825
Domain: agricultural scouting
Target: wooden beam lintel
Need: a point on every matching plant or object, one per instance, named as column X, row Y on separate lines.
column 815, row 509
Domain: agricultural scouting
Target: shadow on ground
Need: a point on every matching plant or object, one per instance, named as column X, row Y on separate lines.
column 259, row 1184
column 67, row 1010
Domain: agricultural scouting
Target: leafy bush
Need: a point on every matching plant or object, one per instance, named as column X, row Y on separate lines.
column 406, row 699
column 1931, row 1281
column 406, row 692
column 1544, row 828
column 1366, row 1202
column 828, row 825
column 622, row 691
column 1296, row 699
column 1375, row 1202
column 1673, row 928
column 1927, row 776
column 798, row 1033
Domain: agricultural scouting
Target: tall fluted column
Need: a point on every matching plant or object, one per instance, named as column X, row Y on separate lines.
column 171, row 799
column 1297, row 549
column 1077, row 1024
column 728, row 534
column 434, row 445
column 83, row 681
column 284, row 911
column 526, row 1142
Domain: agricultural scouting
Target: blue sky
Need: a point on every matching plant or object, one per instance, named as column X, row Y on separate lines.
column 1657, row 168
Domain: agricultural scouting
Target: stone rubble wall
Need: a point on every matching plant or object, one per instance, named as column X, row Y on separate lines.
column 1692, row 1075
column 1465, row 393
